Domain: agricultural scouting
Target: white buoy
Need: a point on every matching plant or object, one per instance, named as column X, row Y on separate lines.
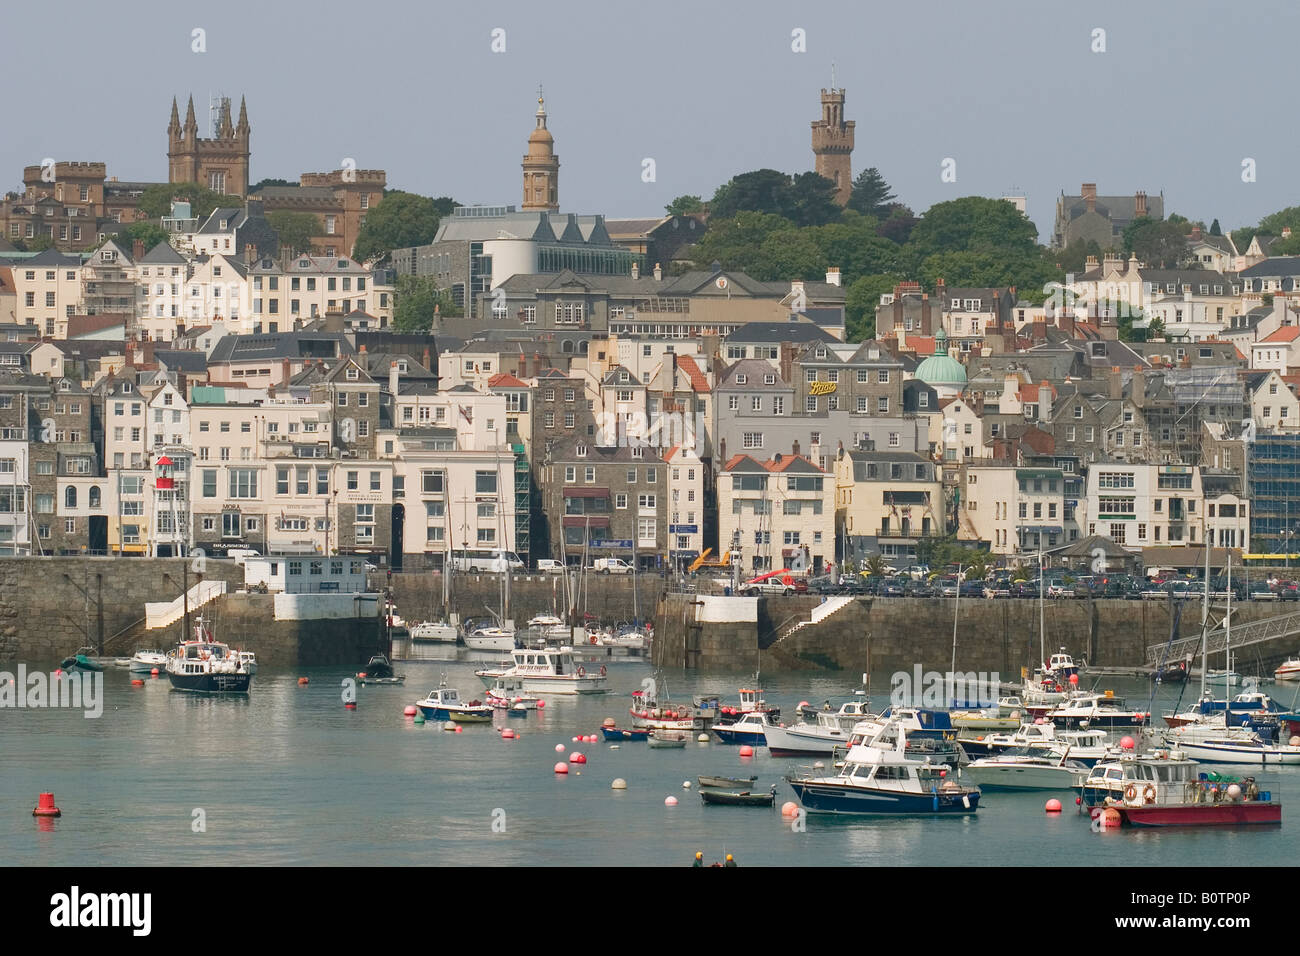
column 619, row 784
column 702, row 738
column 613, row 746
column 686, row 785
column 559, row 748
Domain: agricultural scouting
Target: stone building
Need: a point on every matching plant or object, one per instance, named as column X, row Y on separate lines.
column 220, row 163
column 832, row 144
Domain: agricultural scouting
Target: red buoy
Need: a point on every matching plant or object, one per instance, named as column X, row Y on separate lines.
column 136, row 682
column 154, row 672
column 561, row 768
column 350, row 705
column 301, row 680
column 45, row 807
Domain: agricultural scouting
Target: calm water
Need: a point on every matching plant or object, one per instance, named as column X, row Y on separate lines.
column 289, row 776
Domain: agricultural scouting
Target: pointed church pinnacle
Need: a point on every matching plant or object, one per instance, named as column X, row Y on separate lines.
column 243, row 114
column 175, row 123
column 190, row 122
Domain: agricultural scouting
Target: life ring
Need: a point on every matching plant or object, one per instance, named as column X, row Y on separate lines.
column 582, row 672
column 602, row 670
column 593, row 638
column 1131, row 792
column 1148, row 794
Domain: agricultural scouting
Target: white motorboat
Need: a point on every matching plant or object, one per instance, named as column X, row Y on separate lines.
column 1096, row 710
column 490, row 638
column 1288, row 670
column 830, row 730
column 1208, row 727
column 1232, row 745
column 146, row 662
column 507, row 693
column 248, row 659
column 445, row 703
column 550, row 671
column 1086, row 746
column 1029, row 768
column 437, row 632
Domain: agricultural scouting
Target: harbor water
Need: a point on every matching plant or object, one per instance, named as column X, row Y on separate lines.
column 289, row 775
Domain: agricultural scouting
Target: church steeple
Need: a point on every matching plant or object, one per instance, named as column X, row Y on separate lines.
column 243, row 128
column 541, row 166
column 174, row 127
column 191, row 124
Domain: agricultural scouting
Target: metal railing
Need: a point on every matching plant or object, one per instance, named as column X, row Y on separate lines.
column 1243, row 635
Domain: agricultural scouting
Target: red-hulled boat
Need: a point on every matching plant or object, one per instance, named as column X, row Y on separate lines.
column 1164, row 789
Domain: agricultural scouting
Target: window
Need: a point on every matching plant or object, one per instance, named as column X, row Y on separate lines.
column 243, row 482
column 570, row 473
column 646, row 502
column 352, row 481
column 752, row 440
column 230, row 524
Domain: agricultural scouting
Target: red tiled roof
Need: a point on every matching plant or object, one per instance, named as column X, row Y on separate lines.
column 785, row 462
column 698, row 382
column 505, row 380
column 920, row 344
column 1288, row 333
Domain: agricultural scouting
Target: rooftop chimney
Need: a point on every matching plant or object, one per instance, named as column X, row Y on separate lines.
column 659, row 273
column 833, row 276
column 1196, row 233
column 1116, row 383
column 137, row 250
column 1089, row 191
column 1139, row 205
column 250, row 253
column 636, row 270
column 392, row 379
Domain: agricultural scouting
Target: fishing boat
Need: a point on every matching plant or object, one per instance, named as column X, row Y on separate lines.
column 146, row 662
column 929, row 734
column 1176, row 673
column 822, row 736
column 81, row 662
column 551, row 671
column 1288, row 669
column 749, row 729
column 1028, row 768
column 877, row 781
column 433, row 632
column 744, row 798
column 204, row 665
column 445, row 704
column 726, row 783
column 1165, row 790
column 667, row 739
column 751, row 701
column 379, row 670
column 649, row 712
column 618, row 735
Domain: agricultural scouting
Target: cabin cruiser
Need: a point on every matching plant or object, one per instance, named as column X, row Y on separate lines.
column 1288, row 669
column 207, row 666
column 885, row 781
column 1028, row 768
column 549, row 671
column 649, row 713
column 629, row 635
column 1215, row 742
column 507, row 693
column 1086, row 746
column 490, row 638
column 751, row 728
column 437, row 632
column 146, row 662
column 930, row 734
column 1096, row 710
column 828, row 731
column 1251, row 708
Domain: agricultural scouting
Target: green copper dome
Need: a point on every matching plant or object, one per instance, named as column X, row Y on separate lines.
column 940, row 368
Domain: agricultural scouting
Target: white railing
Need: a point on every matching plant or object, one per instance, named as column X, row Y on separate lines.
column 160, row 614
column 1243, row 635
column 821, row 612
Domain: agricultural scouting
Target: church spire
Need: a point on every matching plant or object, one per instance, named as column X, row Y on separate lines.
column 191, row 124
column 174, row 127
column 243, row 127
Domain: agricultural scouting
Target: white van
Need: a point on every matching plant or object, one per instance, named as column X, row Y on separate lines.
column 610, row 566
column 486, row 559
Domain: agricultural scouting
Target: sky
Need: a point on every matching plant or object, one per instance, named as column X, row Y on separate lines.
column 1014, row 92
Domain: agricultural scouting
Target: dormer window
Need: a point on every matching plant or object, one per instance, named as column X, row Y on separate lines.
column 223, row 224
column 769, row 379
column 582, row 451
column 623, row 377
column 821, row 353
column 352, row 373
column 304, row 264
column 742, row 378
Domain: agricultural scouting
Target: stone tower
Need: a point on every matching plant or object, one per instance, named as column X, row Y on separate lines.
column 832, row 144
column 221, row 163
column 541, row 166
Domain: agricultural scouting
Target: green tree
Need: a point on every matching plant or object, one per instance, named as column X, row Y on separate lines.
column 788, row 254
column 812, row 198
column 1160, row 244
column 736, row 242
column 853, row 245
column 1214, row 228
column 257, row 187
column 38, row 243
column 972, row 224
column 1074, row 256
column 683, row 205
column 898, row 227
column 295, row 229
column 415, row 301
column 1242, row 237
column 1288, row 218
column 400, row 220
column 860, row 301
column 150, row 233
column 871, row 195
column 156, row 200
column 763, row 191
column 443, row 205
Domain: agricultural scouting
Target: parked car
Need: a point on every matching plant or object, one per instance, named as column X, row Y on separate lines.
column 610, row 566
column 894, row 587
column 1286, row 591
column 997, row 587
column 1260, row 591
column 823, row 584
column 918, row 572
column 549, row 566
column 1025, row 589
column 772, row 586
column 972, row 589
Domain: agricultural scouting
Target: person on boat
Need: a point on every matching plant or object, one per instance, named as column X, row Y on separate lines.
column 699, row 859
column 730, row 861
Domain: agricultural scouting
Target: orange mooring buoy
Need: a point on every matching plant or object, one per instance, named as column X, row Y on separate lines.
column 45, row 807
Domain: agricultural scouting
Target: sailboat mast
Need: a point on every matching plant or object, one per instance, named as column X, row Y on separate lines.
column 1227, row 628
column 1042, row 617
column 1205, row 621
column 955, row 606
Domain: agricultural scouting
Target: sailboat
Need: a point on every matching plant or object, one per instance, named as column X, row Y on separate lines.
column 1226, row 677
column 501, row 635
column 633, row 634
column 440, row 631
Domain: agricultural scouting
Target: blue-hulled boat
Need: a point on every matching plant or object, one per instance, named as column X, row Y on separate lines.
column 616, row 735
column 749, row 729
column 873, row 781
column 445, row 704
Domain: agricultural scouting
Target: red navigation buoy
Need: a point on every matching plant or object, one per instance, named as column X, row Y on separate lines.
column 45, row 807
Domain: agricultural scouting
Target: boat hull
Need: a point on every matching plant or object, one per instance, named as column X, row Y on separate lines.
column 484, row 642
column 727, row 798
column 211, row 683
column 729, row 735
column 1204, row 815
column 616, row 735
column 820, row 797
column 1227, row 753
column 1024, row 778
column 790, row 742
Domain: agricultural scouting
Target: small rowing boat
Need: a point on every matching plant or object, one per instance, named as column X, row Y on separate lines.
column 730, row 798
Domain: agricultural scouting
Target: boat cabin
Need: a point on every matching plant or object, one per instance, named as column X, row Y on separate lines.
column 536, row 661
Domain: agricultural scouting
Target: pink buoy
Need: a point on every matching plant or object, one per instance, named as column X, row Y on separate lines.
column 1127, row 743
column 576, row 757
column 561, row 767
column 137, row 683
column 459, row 729
column 409, row 710
column 670, row 802
column 559, row 748
column 507, row 734
column 1074, row 679
column 541, row 704
column 1053, row 806
column 350, row 705
column 591, row 738
column 576, row 739
column 154, row 673
column 746, row 750
column 789, row 808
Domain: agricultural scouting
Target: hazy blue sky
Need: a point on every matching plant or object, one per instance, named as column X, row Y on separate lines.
column 1011, row 90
